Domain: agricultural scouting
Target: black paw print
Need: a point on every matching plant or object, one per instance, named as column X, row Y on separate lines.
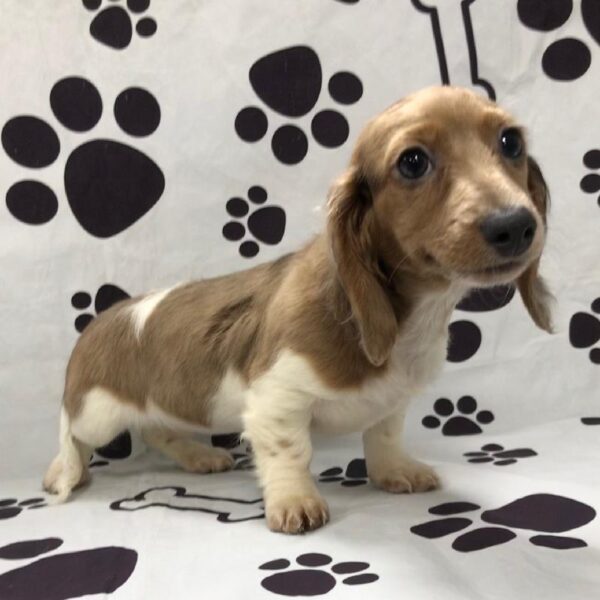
column 458, row 424
column 112, row 25
column 584, row 331
column 289, row 82
column 544, row 513
column 266, row 224
column 498, row 455
column 66, row 575
column 240, row 450
column 109, row 185
column 568, row 58
column 107, row 295
column 355, row 475
column 590, row 184
column 11, row 507
column 465, row 340
column 312, row 581
column 486, row 299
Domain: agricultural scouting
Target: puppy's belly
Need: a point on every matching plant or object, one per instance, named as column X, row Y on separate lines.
column 353, row 414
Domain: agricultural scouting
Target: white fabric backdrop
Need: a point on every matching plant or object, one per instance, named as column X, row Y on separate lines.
column 197, row 67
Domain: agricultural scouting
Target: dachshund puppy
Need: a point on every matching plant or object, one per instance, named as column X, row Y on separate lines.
column 440, row 196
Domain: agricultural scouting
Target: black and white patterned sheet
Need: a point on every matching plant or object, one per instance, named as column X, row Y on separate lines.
column 146, row 142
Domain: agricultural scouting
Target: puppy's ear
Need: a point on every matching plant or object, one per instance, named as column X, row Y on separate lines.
column 532, row 287
column 350, row 231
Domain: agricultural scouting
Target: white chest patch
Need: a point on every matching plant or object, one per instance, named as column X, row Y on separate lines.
column 416, row 359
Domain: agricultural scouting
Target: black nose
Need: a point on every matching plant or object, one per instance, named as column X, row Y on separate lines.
column 510, row 232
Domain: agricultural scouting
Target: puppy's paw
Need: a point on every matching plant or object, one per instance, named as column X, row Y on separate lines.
column 197, row 458
column 405, row 476
column 296, row 513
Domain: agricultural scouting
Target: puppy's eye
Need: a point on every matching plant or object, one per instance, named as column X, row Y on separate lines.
column 511, row 143
column 413, row 163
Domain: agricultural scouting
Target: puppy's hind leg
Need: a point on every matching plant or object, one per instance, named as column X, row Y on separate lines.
column 69, row 469
column 102, row 416
column 191, row 455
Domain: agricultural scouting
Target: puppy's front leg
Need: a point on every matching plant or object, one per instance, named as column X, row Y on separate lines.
column 389, row 467
column 277, row 424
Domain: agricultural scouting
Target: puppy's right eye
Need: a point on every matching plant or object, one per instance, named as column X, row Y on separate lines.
column 413, row 163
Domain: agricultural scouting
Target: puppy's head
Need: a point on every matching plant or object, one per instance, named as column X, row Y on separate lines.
column 441, row 185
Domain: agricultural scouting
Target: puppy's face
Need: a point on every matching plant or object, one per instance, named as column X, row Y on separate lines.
column 453, row 187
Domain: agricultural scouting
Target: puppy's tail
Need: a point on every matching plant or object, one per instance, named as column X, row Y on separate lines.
column 69, row 469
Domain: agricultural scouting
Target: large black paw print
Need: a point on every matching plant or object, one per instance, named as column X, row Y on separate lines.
column 266, row 224
column 289, row 82
column 112, row 25
column 496, row 454
column 11, row 507
column 590, row 183
column 66, row 575
column 458, row 424
column 312, row 581
column 355, row 474
column 567, row 58
column 584, row 331
column 544, row 513
column 107, row 295
column 109, row 185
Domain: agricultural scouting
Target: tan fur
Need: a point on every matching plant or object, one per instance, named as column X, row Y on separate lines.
column 341, row 303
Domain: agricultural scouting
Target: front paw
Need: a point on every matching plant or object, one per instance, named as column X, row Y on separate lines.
column 405, row 476
column 296, row 513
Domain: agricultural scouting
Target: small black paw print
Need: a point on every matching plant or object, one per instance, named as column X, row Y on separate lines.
column 464, row 341
column 117, row 449
column 112, row 25
column 486, row 299
column 240, row 450
column 11, row 507
column 266, row 224
column 567, row 58
column 109, row 185
column 66, row 575
column 355, row 475
column 289, row 82
column 546, row 513
column 590, row 184
column 584, row 331
column 458, row 424
column 312, row 581
column 107, row 295
column 498, row 455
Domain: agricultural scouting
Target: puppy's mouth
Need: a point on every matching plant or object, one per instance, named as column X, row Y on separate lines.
column 502, row 269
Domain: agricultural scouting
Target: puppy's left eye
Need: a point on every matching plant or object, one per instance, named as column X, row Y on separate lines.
column 413, row 163
column 511, row 143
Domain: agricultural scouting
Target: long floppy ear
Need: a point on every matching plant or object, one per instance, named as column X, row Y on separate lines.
column 350, row 232
column 533, row 289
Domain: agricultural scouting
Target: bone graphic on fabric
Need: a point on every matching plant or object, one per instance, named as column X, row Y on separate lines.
column 228, row 510
column 452, row 28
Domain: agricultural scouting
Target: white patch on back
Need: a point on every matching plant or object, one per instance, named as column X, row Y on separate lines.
column 141, row 311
